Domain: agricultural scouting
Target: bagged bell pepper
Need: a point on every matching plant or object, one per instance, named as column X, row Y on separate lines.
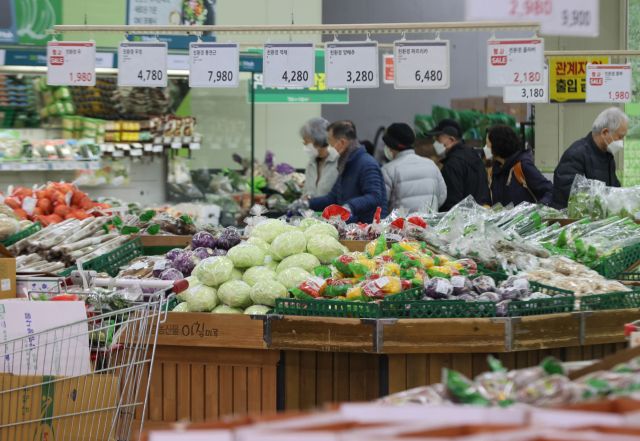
column 362, row 268
column 389, row 285
column 388, row 269
column 342, row 265
column 410, row 244
column 323, row 272
column 470, row 265
column 426, row 261
column 337, row 288
column 300, row 294
column 439, row 260
column 313, row 286
column 372, row 290
column 408, row 284
column 356, row 294
column 377, row 246
column 336, row 210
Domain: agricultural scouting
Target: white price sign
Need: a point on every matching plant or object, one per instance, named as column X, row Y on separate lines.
column 142, row 64
column 71, row 63
column 528, row 94
column 421, row 64
column 214, row 64
column 556, row 17
column 515, row 62
column 351, row 64
column 608, row 83
column 289, row 64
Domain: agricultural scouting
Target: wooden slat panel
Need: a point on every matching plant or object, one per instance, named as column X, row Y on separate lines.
column 212, row 393
column 597, row 352
column 574, row 353
column 239, row 390
column 608, row 349
column 533, row 358
column 324, row 374
column 340, row 377
column 462, row 364
column 543, row 353
column 226, row 391
column 292, row 380
column 621, row 346
column 169, row 392
column 183, row 392
column 522, row 359
column 269, row 389
column 307, row 379
column 397, row 373
column 436, row 363
column 371, row 377
column 508, row 360
column 479, row 364
column 587, row 352
column 605, row 327
column 144, row 380
column 556, row 352
column 545, row 331
column 197, row 393
column 356, row 377
column 155, row 393
column 217, row 356
column 321, row 334
column 254, row 390
column 417, row 370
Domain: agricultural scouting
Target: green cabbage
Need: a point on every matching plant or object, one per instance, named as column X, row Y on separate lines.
column 321, row 229
column 292, row 277
column 306, row 261
column 268, row 230
column 255, row 240
column 288, row 244
column 324, row 248
column 226, row 309
column 202, row 299
column 182, row 307
column 270, row 262
column 291, row 229
column 246, row 255
column 306, row 223
column 258, row 274
column 257, row 309
column 236, row 274
column 193, row 281
column 213, row 271
column 235, row 293
column 266, row 293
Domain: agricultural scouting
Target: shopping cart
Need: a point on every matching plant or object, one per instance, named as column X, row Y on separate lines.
column 82, row 381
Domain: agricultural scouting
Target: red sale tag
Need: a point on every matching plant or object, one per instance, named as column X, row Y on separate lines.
column 71, row 63
column 515, row 62
column 608, row 83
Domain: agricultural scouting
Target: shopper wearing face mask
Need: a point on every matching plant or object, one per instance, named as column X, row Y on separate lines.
column 462, row 168
column 322, row 170
column 592, row 156
column 411, row 180
column 513, row 178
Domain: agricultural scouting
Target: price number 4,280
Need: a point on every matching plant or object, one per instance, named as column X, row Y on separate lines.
column 296, row 75
column 360, row 76
column 429, row 75
column 80, row 77
column 221, row 76
column 618, row 96
column 153, row 75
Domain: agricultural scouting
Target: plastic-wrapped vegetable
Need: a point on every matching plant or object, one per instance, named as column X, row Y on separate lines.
column 271, row 263
column 288, row 244
column 257, row 309
column 321, row 229
column 226, row 309
column 214, row 271
column 202, row 298
column 292, row 277
column 219, row 253
column 489, row 297
column 471, row 297
column 461, row 285
column 258, row 274
column 203, row 240
column 438, row 288
column 308, row 222
column 228, row 239
column 171, row 274
column 268, row 230
column 519, row 282
column 172, row 254
column 508, row 293
column 324, row 247
column 235, row 293
column 202, row 253
column 484, row 284
column 184, row 295
column 502, row 308
column 182, row 307
column 246, row 256
column 267, row 291
column 236, row 274
column 306, row 261
column 161, row 265
column 259, row 243
column 185, row 263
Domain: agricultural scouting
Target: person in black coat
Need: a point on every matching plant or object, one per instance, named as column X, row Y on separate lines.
column 592, row 156
column 513, row 178
column 462, row 168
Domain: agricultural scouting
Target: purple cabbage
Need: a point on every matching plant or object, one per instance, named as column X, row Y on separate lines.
column 509, row 293
column 160, row 266
column 228, row 239
column 120, row 288
column 438, row 288
column 484, row 284
column 502, row 308
column 237, row 158
column 185, row 263
column 461, row 285
column 171, row 255
column 268, row 159
column 171, row 274
column 202, row 253
column 146, row 289
column 284, row 169
column 518, row 282
column 467, row 297
column 203, row 240
column 489, row 297
column 219, row 252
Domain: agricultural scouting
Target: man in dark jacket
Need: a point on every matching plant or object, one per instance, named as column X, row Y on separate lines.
column 462, row 168
column 591, row 156
column 360, row 187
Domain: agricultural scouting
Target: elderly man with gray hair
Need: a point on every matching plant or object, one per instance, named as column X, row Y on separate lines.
column 592, row 156
column 322, row 170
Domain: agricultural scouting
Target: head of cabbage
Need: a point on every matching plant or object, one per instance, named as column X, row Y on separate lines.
column 202, row 298
column 288, row 244
column 258, row 274
column 307, row 222
column 255, row 240
column 270, row 262
column 213, row 271
column 266, row 292
column 324, row 248
column 226, row 309
column 257, row 309
column 268, row 230
column 292, row 277
column 193, row 281
column 306, row 261
column 246, row 255
column 182, row 307
column 236, row 274
column 321, row 229
column 235, row 293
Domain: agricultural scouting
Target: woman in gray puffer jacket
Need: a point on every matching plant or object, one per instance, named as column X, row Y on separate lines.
column 412, row 182
column 322, row 170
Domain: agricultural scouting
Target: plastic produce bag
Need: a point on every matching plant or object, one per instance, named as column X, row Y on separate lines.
column 306, row 261
column 226, row 309
column 292, row 277
column 257, row 310
column 324, row 247
column 258, row 274
column 214, row 271
column 268, row 230
column 246, row 256
column 266, row 292
column 235, row 293
column 288, row 244
column 321, row 229
column 202, row 298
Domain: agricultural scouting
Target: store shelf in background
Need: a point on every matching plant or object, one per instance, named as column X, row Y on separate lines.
column 49, row 165
column 120, row 149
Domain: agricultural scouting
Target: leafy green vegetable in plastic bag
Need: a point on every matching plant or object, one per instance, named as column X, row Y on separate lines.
column 258, row 274
column 306, row 261
column 268, row 230
column 226, row 309
column 202, row 298
column 266, row 292
column 321, row 229
column 235, row 293
column 292, row 277
column 246, row 256
column 214, row 271
column 288, row 244
column 257, row 309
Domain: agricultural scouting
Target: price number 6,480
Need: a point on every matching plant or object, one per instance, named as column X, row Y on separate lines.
column 150, row 75
column 296, row 75
column 429, row 75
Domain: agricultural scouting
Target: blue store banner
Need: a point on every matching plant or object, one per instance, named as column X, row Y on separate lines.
column 8, row 28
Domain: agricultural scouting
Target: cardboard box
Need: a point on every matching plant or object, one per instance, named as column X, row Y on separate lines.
column 478, row 104
column 7, row 274
column 517, row 110
column 40, row 405
column 43, row 282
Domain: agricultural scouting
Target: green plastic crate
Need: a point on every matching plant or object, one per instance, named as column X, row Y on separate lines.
column 157, row 250
column 631, row 277
column 551, row 290
column 67, row 272
column 613, row 300
column 555, row 305
column 451, row 309
column 110, row 263
column 23, row 234
column 397, row 305
column 611, row 266
column 326, row 308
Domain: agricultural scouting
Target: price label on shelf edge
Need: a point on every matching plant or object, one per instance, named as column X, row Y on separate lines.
column 351, row 64
column 289, row 64
column 421, row 64
column 142, row 64
column 71, row 63
column 609, row 83
column 556, row 17
column 538, row 93
column 515, row 62
column 214, row 64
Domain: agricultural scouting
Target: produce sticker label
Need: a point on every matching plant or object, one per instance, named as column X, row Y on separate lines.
column 568, row 78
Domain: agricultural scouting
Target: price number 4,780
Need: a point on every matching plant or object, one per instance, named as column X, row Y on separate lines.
column 429, row 75
column 296, row 75
column 618, row 96
column 220, row 76
column 150, row 75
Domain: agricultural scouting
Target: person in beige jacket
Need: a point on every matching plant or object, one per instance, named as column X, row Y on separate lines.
column 322, row 170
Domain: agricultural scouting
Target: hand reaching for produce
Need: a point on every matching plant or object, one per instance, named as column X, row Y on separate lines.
column 298, row 206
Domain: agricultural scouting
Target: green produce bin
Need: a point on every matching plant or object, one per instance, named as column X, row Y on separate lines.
column 22, row 235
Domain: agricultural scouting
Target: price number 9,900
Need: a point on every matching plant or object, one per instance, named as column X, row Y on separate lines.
column 429, row 75
column 576, row 18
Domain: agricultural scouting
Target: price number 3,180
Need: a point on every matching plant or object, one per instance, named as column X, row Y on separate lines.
column 142, row 64
column 528, row 93
column 71, row 63
column 214, row 64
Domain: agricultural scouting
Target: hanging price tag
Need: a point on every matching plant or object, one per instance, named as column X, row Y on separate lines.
column 71, row 63
column 608, row 83
column 528, row 94
column 214, row 64
column 421, row 64
column 142, row 64
column 351, row 64
column 515, row 62
column 289, row 64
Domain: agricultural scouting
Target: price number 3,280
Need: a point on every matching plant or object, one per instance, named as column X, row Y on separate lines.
column 296, row 75
column 220, row 76
column 429, row 75
column 153, row 75
column 359, row 76
column 618, row 95
column 576, row 18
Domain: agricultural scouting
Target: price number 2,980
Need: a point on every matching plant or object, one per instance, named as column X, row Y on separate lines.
column 429, row 75
column 295, row 75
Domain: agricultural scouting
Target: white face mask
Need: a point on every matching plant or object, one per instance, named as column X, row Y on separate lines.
column 331, row 150
column 615, row 146
column 310, row 151
column 487, row 153
column 440, row 148
column 388, row 153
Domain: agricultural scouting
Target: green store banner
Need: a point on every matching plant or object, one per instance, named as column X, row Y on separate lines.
column 34, row 17
column 318, row 94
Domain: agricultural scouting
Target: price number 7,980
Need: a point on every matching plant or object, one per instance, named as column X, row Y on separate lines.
column 220, row 76
column 151, row 75
column 429, row 75
column 296, row 75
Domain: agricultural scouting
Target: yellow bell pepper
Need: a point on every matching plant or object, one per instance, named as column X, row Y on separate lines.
column 391, row 285
column 388, row 269
column 354, row 292
column 410, row 244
